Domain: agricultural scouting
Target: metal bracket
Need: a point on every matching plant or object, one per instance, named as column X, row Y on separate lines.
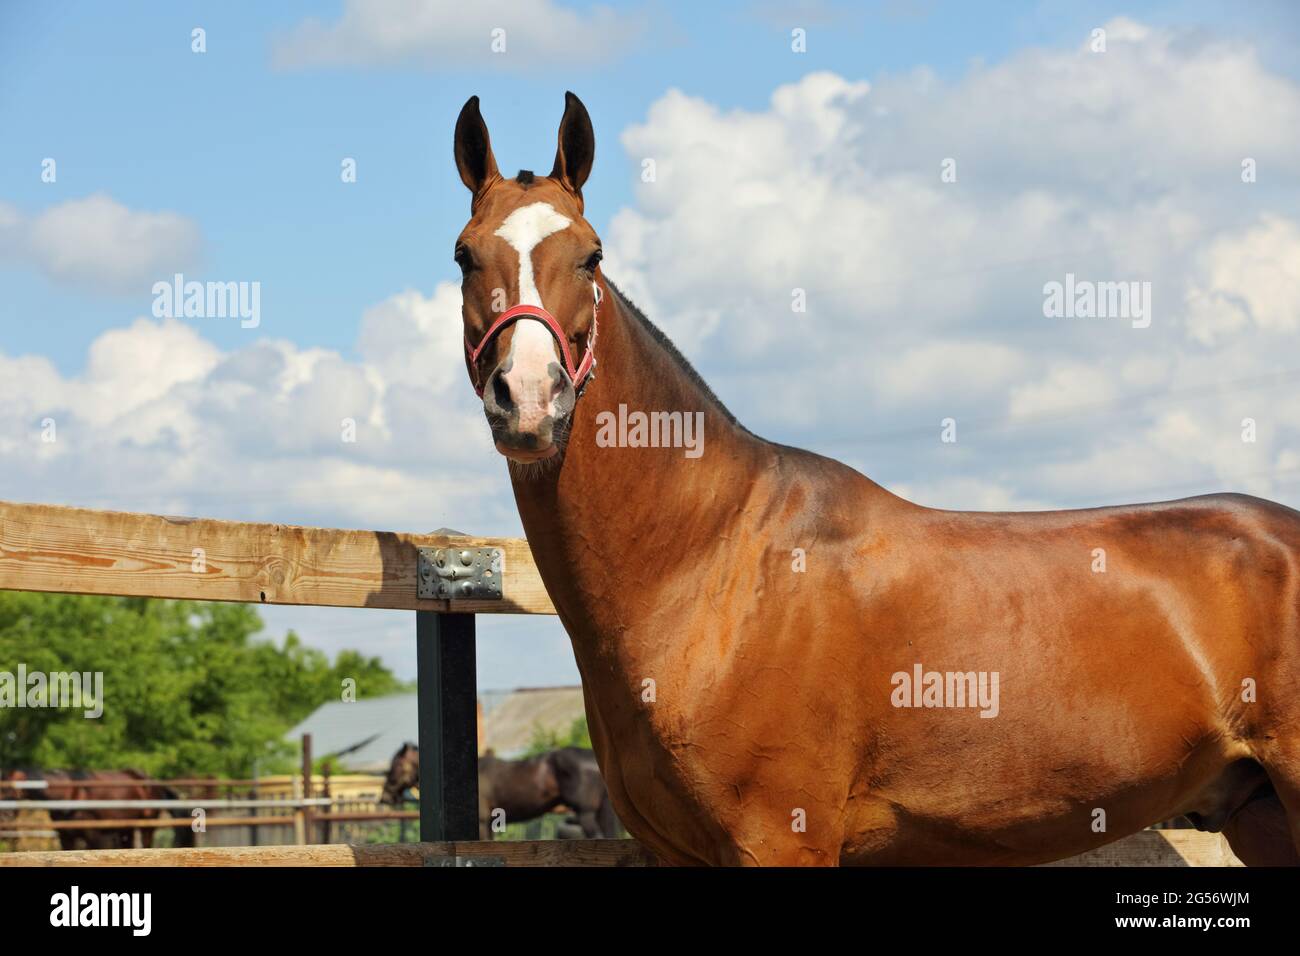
column 461, row 574
column 441, row 861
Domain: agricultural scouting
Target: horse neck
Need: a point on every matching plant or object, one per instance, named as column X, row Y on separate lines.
column 601, row 522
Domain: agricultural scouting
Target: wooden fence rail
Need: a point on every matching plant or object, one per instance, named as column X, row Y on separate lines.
column 163, row 804
column 1149, row 848
column 80, row 551
column 83, row 551
column 346, row 816
column 487, row 852
column 209, row 783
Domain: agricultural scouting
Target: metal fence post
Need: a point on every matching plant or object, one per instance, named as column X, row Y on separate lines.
column 448, row 716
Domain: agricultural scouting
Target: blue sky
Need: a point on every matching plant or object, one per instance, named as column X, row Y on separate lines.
column 252, row 152
column 241, row 147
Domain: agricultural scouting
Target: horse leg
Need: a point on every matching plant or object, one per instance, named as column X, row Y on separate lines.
column 569, row 830
column 606, row 818
column 1285, row 774
column 1268, row 829
column 1260, row 834
column 587, row 820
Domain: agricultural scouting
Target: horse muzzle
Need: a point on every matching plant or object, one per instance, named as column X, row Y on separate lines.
column 529, row 414
column 529, row 397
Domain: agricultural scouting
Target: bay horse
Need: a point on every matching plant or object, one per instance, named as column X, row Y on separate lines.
column 747, row 621
column 122, row 785
column 524, row 789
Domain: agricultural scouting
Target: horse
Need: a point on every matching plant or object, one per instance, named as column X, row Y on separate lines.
column 778, row 655
column 525, row 789
column 70, row 785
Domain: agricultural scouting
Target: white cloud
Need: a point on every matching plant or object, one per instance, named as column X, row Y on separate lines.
column 1248, row 278
column 98, row 244
column 414, row 340
column 442, row 34
column 954, row 369
column 1160, row 110
column 966, row 494
column 1065, row 387
column 925, row 297
column 160, row 419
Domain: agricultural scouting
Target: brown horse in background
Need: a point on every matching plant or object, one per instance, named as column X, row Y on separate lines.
column 71, row 785
column 512, row 791
column 779, row 656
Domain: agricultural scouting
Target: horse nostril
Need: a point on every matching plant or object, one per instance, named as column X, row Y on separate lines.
column 501, row 393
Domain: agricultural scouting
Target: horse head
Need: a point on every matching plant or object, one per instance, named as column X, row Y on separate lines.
column 531, row 285
column 403, row 774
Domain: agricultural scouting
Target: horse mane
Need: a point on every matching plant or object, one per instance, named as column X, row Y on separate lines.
column 675, row 354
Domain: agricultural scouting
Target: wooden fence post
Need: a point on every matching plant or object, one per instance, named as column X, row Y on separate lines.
column 325, row 813
column 295, row 798
column 447, row 699
column 307, row 817
column 254, row 831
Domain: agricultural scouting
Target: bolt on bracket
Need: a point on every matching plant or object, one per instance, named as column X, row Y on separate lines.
column 450, row 861
column 461, row 574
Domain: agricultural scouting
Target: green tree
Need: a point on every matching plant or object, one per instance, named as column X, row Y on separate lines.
column 544, row 739
column 186, row 688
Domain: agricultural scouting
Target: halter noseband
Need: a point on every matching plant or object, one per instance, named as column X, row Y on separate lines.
column 580, row 375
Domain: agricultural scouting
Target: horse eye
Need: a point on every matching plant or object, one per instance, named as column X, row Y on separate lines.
column 463, row 258
column 593, row 260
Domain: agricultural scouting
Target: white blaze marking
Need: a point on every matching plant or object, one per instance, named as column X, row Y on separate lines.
column 524, row 229
column 532, row 348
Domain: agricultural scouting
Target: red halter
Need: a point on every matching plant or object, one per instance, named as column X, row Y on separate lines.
column 579, row 374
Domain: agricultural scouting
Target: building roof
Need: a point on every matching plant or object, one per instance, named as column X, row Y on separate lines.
column 365, row 734
column 510, row 724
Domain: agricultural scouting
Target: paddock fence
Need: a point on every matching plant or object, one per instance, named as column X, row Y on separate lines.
column 270, row 809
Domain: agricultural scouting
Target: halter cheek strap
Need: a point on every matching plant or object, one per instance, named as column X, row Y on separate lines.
column 580, row 375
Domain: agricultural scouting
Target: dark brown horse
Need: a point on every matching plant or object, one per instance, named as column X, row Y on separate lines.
column 779, row 656
column 119, row 785
column 512, row 791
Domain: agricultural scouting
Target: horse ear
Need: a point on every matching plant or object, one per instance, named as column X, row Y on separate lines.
column 473, row 149
column 577, row 146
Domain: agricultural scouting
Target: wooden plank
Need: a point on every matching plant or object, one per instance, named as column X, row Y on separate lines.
column 1159, row 848
column 173, row 823
column 1151, row 848
column 374, row 781
column 80, row 551
column 160, row 804
column 513, row 853
column 348, row 816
